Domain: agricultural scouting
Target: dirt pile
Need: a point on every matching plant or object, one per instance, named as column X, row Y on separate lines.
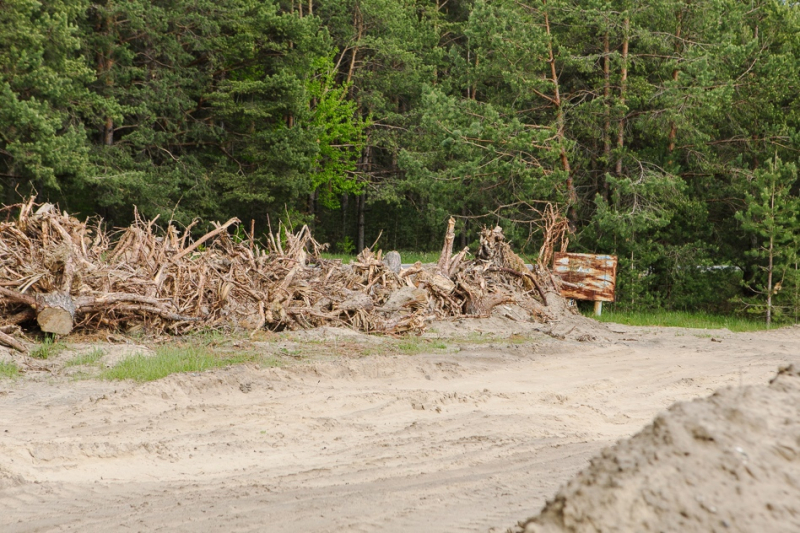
column 69, row 274
column 730, row 462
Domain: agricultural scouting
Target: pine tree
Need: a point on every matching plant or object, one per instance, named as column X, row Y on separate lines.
column 43, row 90
column 771, row 217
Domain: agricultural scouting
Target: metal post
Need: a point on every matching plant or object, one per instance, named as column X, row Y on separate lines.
column 598, row 308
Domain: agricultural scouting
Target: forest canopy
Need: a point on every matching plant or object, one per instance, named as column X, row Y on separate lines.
column 666, row 131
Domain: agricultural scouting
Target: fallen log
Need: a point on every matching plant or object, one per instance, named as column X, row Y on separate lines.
column 54, row 312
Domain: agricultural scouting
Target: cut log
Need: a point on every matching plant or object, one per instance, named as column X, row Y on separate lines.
column 55, row 313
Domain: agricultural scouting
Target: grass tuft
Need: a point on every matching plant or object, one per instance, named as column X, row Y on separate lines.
column 679, row 319
column 88, row 358
column 174, row 359
column 414, row 346
column 49, row 348
column 9, row 369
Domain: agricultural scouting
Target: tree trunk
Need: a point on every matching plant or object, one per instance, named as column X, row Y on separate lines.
column 105, row 65
column 673, row 128
column 571, row 193
column 108, row 132
column 366, row 169
column 557, row 100
column 361, row 202
column 622, row 89
column 606, row 110
column 770, row 265
column 13, row 183
column 769, row 283
column 312, row 208
column 358, row 23
column 345, row 205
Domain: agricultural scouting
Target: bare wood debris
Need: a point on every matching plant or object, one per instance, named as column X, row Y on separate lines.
column 71, row 275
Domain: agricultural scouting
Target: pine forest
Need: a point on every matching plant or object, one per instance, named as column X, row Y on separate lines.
column 666, row 132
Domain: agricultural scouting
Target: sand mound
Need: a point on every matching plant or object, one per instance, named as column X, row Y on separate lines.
column 730, row 462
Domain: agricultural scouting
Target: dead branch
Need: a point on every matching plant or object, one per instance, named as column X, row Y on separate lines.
column 11, row 342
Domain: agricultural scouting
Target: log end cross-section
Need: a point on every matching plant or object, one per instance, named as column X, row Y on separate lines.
column 56, row 313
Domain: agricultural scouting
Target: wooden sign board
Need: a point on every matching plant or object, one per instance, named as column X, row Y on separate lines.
column 586, row 276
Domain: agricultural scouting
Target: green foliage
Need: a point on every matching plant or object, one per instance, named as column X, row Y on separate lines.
column 43, row 89
column 347, row 246
column 339, row 135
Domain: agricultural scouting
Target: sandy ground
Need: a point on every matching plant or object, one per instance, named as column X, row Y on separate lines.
column 471, row 435
column 729, row 462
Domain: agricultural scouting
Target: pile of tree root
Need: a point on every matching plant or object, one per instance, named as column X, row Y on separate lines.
column 64, row 274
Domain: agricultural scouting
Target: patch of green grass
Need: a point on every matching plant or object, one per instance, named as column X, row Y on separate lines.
column 172, row 359
column 88, row 358
column 413, row 346
column 49, row 348
column 210, row 338
column 297, row 354
column 410, row 347
column 679, row 319
column 9, row 369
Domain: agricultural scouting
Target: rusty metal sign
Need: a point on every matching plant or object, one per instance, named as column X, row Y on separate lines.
column 586, row 276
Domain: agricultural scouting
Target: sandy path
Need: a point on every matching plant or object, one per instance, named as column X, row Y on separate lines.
column 465, row 440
